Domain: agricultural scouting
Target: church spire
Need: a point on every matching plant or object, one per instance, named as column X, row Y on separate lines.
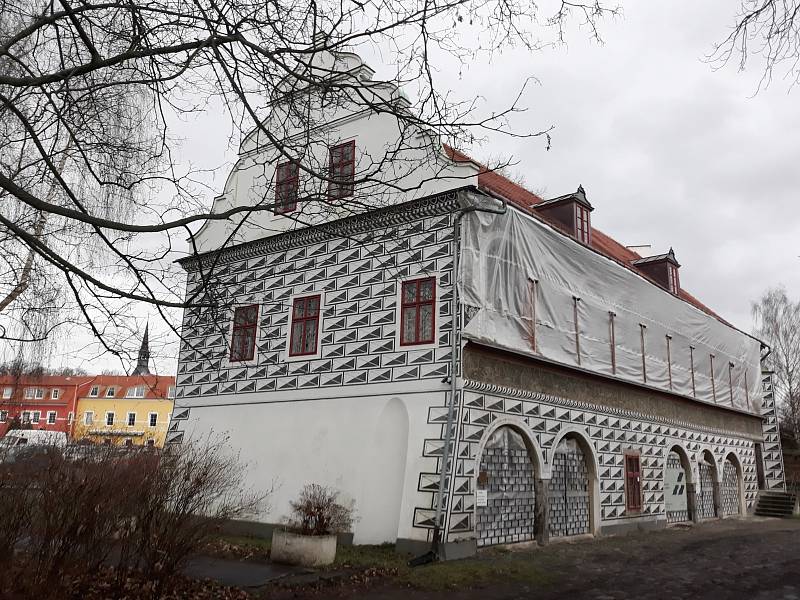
column 143, row 363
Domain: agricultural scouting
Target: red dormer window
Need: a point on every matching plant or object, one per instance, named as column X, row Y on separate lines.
column 674, row 282
column 286, row 184
column 582, row 225
column 342, row 170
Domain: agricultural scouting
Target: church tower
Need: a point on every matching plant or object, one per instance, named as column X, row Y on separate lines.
column 143, row 362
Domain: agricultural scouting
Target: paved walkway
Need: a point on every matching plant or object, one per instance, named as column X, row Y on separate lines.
column 722, row 560
column 236, row 573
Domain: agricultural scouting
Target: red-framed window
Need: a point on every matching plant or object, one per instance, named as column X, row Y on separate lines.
column 342, row 164
column 305, row 326
column 582, row 225
column 633, row 482
column 672, row 274
column 287, row 177
column 418, row 311
column 243, row 339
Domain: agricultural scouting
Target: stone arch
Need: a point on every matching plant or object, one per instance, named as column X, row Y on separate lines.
column 583, row 441
column 732, row 485
column 521, row 427
column 512, row 510
column 679, row 489
column 707, row 488
column 580, row 434
column 686, row 460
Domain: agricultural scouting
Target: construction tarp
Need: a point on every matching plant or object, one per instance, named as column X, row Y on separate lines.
column 534, row 288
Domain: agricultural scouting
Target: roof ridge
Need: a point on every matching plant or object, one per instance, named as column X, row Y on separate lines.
column 495, row 182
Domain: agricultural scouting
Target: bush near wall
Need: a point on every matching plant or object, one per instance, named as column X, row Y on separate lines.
column 71, row 518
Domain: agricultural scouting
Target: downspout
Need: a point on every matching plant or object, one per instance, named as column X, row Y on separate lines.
column 769, row 351
column 455, row 344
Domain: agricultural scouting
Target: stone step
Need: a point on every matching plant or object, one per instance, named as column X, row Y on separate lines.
column 774, row 503
column 780, row 501
column 773, row 514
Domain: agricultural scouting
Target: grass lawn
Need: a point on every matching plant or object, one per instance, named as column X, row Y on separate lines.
column 492, row 566
column 489, row 567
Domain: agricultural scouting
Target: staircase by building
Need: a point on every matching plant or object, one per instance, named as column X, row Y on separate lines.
column 775, row 503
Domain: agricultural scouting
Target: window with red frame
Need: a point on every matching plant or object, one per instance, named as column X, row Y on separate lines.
column 674, row 282
column 305, row 326
column 418, row 311
column 286, row 184
column 582, row 227
column 342, row 170
column 243, row 340
column 633, row 482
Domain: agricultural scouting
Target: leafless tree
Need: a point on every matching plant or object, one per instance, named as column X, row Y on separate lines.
column 778, row 324
column 95, row 203
column 766, row 31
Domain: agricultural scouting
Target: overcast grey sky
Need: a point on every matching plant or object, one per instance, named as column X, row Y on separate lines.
column 671, row 152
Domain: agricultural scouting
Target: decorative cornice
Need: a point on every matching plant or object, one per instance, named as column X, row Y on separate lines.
column 398, row 214
column 501, row 390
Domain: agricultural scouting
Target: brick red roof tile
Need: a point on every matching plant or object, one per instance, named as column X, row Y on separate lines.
column 494, row 182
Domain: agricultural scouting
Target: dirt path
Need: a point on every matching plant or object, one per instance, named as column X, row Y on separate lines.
column 752, row 559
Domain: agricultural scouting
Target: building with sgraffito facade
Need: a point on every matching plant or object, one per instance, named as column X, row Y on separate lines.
column 462, row 335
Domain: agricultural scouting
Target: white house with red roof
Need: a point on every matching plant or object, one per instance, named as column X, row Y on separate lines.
column 468, row 363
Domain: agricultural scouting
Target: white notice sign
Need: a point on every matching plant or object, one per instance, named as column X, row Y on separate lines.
column 482, row 497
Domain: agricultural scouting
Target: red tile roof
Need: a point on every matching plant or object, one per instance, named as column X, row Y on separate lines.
column 156, row 386
column 494, row 182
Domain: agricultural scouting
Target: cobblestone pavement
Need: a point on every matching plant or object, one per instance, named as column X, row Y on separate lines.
column 755, row 559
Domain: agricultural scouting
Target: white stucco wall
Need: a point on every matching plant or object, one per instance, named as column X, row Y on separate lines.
column 395, row 161
column 363, row 443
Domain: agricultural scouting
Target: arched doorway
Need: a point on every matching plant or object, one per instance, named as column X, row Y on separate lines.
column 507, row 474
column 383, row 474
column 570, row 489
column 677, row 476
column 705, row 489
column 731, row 486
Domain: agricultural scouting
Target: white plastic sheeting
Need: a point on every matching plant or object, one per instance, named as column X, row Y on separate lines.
column 516, row 270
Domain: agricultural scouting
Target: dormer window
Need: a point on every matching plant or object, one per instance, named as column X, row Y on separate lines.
column 674, row 282
column 570, row 213
column 662, row 269
column 582, row 227
column 342, row 170
column 286, row 184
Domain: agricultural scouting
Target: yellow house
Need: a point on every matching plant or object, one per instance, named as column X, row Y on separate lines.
column 123, row 410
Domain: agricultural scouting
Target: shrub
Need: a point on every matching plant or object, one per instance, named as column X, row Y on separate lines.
column 127, row 508
column 317, row 512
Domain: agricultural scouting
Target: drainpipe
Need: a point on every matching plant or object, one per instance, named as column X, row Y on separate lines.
column 769, row 351
column 455, row 344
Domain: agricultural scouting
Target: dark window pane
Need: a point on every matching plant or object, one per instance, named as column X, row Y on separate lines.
column 426, row 290
column 426, row 323
column 297, row 338
column 410, row 291
column 410, row 325
column 310, row 345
